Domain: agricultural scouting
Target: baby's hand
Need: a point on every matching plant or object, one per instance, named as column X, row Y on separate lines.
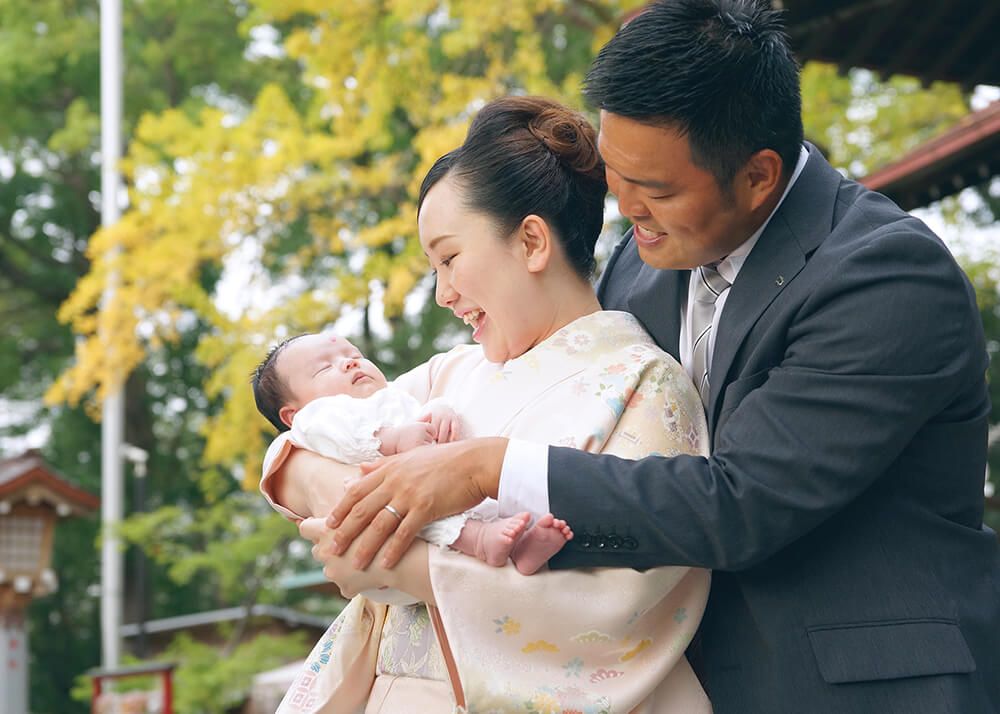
column 397, row 439
column 445, row 423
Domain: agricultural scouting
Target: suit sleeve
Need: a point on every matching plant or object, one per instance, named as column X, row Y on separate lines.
column 888, row 339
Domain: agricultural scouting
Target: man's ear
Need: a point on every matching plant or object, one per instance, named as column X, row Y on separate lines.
column 536, row 242
column 286, row 414
column 761, row 176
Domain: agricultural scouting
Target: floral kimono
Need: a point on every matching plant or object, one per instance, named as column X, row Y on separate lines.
column 589, row 641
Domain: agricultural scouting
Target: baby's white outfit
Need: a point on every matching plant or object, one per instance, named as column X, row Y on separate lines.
column 344, row 428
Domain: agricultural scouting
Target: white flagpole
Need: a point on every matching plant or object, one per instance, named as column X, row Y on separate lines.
column 113, row 417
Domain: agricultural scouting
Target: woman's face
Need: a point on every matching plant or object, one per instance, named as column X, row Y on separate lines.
column 483, row 277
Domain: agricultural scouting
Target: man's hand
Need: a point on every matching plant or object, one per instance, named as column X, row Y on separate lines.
column 445, row 422
column 422, row 485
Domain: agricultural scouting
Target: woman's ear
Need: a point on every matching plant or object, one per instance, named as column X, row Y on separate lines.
column 536, row 242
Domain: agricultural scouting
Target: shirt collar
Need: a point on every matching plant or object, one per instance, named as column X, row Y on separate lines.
column 729, row 267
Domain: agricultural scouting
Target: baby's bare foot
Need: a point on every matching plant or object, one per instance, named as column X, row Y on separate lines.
column 546, row 538
column 491, row 541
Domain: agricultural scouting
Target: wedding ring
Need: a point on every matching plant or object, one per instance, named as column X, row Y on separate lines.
column 394, row 512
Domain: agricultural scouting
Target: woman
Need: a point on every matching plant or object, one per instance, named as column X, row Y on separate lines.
column 509, row 221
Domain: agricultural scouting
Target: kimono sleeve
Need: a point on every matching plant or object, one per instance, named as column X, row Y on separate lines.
column 276, row 455
column 662, row 415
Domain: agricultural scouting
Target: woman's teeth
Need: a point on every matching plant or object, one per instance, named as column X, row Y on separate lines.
column 472, row 317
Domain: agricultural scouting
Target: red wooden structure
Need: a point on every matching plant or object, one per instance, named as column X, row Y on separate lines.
column 164, row 669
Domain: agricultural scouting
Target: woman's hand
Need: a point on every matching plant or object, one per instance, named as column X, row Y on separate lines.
column 421, row 485
column 335, row 568
column 309, row 484
column 412, row 576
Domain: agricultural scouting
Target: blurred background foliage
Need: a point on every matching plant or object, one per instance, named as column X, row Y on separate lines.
column 273, row 153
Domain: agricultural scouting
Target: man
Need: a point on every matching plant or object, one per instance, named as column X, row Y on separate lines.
column 841, row 360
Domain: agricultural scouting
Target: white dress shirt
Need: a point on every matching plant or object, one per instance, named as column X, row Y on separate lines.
column 524, row 476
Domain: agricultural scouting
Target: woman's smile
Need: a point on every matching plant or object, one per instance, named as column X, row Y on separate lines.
column 475, row 319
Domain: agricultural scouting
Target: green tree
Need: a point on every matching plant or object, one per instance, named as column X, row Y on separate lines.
column 180, row 54
column 323, row 190
column 272, row 170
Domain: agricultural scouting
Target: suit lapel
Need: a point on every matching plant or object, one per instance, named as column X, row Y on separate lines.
column 772, row 264
column 796, row 230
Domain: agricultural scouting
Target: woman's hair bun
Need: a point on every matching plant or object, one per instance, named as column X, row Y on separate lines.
column 531, row 155
column 569, row 136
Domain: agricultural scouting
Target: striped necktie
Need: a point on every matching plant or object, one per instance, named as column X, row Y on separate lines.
column 709, row 285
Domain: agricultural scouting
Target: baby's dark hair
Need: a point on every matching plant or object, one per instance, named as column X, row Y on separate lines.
column 270, row 392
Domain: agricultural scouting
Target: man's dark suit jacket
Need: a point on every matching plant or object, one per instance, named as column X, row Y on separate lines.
column 842, row 506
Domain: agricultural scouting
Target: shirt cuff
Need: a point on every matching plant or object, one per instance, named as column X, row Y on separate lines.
column 524, row 479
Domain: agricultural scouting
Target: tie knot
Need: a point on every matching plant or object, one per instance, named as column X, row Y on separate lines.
column 711, row 283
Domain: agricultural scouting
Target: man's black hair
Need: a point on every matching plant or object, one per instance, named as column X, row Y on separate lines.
column 718, row 71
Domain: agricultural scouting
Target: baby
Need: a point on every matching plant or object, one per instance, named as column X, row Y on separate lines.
column 324, row 396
